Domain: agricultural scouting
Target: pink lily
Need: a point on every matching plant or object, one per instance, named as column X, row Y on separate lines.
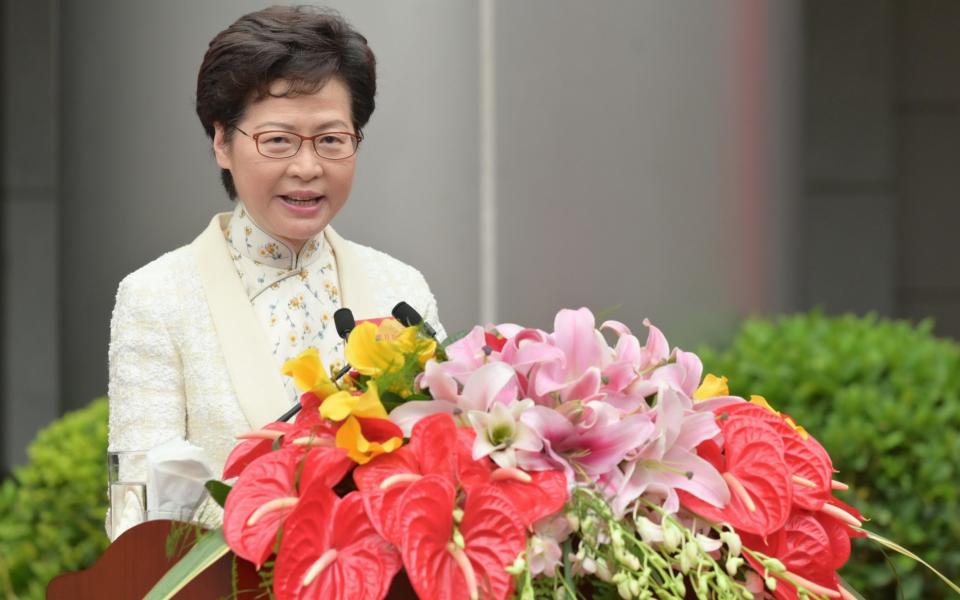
column 669, row 460
column 493, row 382
column 591, row 447
column 585, row 352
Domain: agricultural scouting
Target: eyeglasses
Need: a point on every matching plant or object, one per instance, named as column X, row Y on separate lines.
column 332, row 145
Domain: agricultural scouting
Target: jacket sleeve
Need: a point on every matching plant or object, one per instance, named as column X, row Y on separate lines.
column 430, row 313
column 147, row 401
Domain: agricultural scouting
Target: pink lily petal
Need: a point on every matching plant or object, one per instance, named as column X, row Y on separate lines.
column 692, row 371
column 468, row 350
column 617, row 327
column 524, row 353
column 441, row 384
column 485, row 385
column 508, row 330
column 583, row 388
column 656, row 349
column 409, row 413
column 697, row 427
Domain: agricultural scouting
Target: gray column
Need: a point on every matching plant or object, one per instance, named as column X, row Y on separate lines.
column 30, row 232
column 643, row 161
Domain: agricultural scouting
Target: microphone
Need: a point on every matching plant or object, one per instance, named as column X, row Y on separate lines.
column 409, row 317
column 345, row 323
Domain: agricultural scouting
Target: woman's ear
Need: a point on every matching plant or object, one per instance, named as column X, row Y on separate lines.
column 221, row 147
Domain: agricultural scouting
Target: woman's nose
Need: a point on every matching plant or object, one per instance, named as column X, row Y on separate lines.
column 305, row 164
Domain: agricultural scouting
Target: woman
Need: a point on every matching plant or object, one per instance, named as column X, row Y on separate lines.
column 198, row 336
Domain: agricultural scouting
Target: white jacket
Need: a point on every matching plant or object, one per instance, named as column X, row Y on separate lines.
column 188, row 358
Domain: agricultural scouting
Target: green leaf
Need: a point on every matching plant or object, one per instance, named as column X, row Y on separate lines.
column 218, row 491
column 898, row 548
column 207, row 551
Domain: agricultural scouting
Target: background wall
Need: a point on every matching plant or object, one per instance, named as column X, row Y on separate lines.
column 692, row 161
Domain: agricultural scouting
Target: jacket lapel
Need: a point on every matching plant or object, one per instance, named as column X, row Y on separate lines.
column 355, row 289
column 253, row 371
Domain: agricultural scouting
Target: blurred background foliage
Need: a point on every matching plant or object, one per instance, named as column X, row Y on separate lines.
column 52, row 509
column 882, row 397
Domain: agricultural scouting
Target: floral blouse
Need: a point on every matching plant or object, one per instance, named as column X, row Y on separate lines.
column 293, row 295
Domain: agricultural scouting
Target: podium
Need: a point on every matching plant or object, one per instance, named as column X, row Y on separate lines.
column 136, row 560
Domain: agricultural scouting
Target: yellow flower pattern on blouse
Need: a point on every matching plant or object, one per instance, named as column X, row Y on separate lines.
column 293, row 295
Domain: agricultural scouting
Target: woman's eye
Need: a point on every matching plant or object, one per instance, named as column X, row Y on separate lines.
column 332, row 140
column 277, row 140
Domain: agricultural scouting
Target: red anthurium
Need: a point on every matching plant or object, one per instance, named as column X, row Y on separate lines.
column 811, row 469
column 305, row 433
column 324, row 465
column 850, row 517
column 383, row 480
column 254, row 445
column 534, row 494
column 438, row 566
column 805, row 548
column 752, row 464
column 432, row 440
column 259, row 502
column 309, row 414
column 470, row 472
column 330, row 550
column 494, row 341
column 839, row 537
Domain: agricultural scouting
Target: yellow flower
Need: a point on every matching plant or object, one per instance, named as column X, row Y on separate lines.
column 712, row 387
column 351, row 438
column 343, row 404
column 374, row 350
column 762, row 402
column 308, row 373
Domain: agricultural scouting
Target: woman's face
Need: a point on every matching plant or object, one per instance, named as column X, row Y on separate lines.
column 294, row 198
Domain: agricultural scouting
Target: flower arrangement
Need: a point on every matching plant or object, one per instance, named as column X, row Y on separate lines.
column 515, row 462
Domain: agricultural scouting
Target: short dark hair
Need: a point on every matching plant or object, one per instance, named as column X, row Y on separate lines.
column 304, row 45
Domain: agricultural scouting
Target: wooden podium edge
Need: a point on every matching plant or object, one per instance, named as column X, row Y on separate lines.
column 136, row 561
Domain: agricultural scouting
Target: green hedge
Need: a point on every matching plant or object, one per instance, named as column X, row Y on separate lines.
column 52, row 509
column 884, row 399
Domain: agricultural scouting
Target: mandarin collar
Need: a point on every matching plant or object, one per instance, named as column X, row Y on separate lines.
column 250, row 240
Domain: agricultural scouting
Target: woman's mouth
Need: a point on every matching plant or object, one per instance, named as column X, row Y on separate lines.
column 304, row 202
